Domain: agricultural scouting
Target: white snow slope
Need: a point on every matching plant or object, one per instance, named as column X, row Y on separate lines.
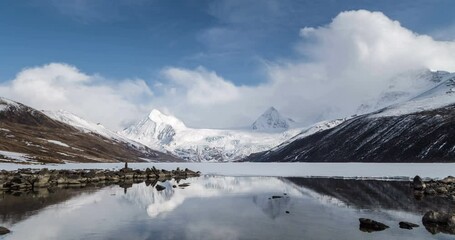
column 441, row 95
column 90, row 127
column 215, row 145
column 201, row 145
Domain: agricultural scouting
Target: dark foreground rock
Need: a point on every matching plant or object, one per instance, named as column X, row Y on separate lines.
column 407, row 225
column 160, row 188
column 436, row 222
column 441, row 218
column 30, row 179
column 4, row 230
column 418, row 184
column 368, row 225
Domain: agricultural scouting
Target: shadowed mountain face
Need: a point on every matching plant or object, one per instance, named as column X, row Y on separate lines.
column 27, row 131
column 427, row 136
column 374, row 195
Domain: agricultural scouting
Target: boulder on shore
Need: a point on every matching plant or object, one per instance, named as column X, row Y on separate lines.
column 4, row 230
column 440, row 218
column 417, row 183
column 368, row 225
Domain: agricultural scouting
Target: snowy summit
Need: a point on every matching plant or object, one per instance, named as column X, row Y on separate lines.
column 271, row 120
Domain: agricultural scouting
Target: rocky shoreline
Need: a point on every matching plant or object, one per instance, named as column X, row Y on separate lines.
column 435, row 221
column 30, row 179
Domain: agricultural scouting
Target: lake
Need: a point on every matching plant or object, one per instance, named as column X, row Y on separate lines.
column 227, row 204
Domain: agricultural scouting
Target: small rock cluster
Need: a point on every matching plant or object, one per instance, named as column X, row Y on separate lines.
column 436, row 221
column 29, row 179
column 368, row 225
column 441, row 188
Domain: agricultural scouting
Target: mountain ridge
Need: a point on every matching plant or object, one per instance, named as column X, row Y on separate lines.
column 29, row 135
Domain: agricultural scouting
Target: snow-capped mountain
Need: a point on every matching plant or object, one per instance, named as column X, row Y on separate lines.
column 402, row 88
column 272, row 120
column 29, row 135
column 160, row 131
column 156, row 130
column 418, row 130
column 86, row 126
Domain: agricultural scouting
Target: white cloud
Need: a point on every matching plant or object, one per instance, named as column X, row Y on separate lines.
column 202, row 87
column 61, row 86
column 355, row 58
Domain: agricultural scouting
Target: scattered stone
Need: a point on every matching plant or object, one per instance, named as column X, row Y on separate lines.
column 418, row 184
column 368, row 225
column 430, row 191
column 449, row 179
column 174, row 186
column 287, row 212
column 273, row 197
column 408, row 225
column 4, row 230
column 159, row 187
column 184, row 185
column 441, row 190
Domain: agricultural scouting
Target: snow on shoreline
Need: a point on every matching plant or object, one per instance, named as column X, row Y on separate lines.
column 339, row 170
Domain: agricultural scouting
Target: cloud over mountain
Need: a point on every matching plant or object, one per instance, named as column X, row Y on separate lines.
column 353, row 59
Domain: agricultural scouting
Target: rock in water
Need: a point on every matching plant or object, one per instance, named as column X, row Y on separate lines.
column 440, row 218
column 436, row 222
column 418, row 184
column 408, row 225
column 159, row 187
column 368, row 225
column 4, row 230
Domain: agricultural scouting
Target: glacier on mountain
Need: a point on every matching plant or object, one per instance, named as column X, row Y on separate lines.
column 160, row 131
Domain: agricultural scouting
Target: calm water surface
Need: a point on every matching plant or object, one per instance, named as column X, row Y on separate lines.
column 220, row 207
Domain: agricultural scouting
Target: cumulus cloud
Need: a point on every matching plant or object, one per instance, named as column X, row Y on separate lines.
column 349, row 62
column 60, row 86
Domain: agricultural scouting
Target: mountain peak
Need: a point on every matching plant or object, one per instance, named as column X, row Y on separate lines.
column 159, row 117
column 271, row 119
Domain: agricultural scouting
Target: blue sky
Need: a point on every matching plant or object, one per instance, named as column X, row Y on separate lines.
column 217, row 63
column 125, row 39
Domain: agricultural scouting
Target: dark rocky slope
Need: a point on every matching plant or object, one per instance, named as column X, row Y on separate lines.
column 28, row 131
column 427, row 136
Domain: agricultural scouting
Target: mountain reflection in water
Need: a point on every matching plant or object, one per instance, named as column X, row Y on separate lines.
column 219, row 207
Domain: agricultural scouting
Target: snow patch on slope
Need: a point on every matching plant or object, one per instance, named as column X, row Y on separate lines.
column 6, row 104
column 58, row 143
column 315, row 128
column 21, row 157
